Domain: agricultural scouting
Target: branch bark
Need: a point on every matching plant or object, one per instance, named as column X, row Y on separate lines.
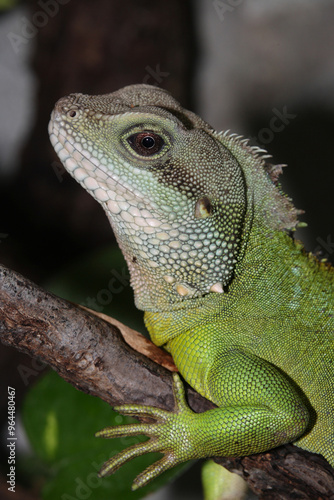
column 102, row 357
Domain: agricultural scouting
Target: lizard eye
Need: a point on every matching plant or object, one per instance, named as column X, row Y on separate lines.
column 146, row 143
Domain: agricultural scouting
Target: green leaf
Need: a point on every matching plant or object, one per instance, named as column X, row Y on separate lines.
column 7, row 4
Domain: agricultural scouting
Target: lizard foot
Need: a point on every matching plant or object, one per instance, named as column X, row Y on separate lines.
column 169, row 434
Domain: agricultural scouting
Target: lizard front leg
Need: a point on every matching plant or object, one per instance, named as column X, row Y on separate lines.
column 260, row 409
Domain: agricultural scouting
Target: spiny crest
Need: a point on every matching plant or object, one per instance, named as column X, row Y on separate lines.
column 258, row 153
column 265, row 188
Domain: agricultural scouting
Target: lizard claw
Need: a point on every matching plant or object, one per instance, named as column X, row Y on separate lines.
column 152, row 472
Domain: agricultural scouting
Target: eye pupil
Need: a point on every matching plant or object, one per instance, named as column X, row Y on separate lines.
column 146, row 143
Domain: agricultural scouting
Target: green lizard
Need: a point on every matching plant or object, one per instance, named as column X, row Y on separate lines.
column 246, row 314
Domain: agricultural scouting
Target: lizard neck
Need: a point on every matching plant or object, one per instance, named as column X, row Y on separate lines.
column 272, row 276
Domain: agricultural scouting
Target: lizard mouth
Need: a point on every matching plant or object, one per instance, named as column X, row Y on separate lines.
column 84, row 166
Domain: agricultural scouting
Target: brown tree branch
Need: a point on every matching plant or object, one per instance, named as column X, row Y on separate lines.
column 92, row 352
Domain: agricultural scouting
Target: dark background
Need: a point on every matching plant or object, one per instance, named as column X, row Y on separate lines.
column 238, row 64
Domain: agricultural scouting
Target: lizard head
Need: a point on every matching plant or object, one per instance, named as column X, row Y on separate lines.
column 174, row 194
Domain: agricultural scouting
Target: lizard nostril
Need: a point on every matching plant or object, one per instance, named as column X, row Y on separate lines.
column 72, row 113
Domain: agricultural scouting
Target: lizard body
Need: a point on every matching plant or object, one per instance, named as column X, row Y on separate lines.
column 246, row 314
